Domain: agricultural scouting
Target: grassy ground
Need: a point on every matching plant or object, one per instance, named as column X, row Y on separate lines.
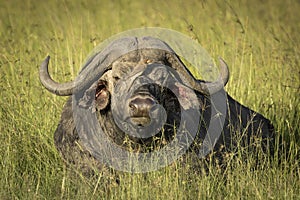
column 259, row 40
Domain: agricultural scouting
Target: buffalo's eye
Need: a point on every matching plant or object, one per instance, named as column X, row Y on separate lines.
column 116, row 78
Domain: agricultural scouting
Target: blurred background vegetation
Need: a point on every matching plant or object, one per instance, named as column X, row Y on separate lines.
column 258, row 39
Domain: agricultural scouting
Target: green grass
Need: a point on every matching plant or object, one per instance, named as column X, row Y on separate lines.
column 258, row 39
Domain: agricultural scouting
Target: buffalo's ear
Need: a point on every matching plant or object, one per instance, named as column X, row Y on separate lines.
column 102, row 95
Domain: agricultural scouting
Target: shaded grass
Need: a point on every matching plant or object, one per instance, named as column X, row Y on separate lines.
column 260, row 44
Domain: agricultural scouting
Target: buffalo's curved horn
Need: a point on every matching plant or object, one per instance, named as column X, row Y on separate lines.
column 201, row 86
column 61, row 89
column 213, row 87
column 91, row 71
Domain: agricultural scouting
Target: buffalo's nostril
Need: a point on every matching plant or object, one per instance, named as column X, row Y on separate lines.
column 133, row 107
column 140, row 106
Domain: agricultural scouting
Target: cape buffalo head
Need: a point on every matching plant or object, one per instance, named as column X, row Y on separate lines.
column 123, row 68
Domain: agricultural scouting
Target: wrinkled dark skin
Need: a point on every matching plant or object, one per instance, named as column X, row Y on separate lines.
column 242, row 125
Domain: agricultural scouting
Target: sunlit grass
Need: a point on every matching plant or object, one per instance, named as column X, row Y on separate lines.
column 258, row 39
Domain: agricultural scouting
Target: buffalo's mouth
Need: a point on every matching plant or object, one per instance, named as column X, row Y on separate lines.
column 140, row 106
column 140, row 121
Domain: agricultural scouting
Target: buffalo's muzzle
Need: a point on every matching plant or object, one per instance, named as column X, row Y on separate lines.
column 140, row 106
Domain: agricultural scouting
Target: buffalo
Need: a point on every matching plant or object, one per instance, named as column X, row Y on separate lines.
column 124, row 87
